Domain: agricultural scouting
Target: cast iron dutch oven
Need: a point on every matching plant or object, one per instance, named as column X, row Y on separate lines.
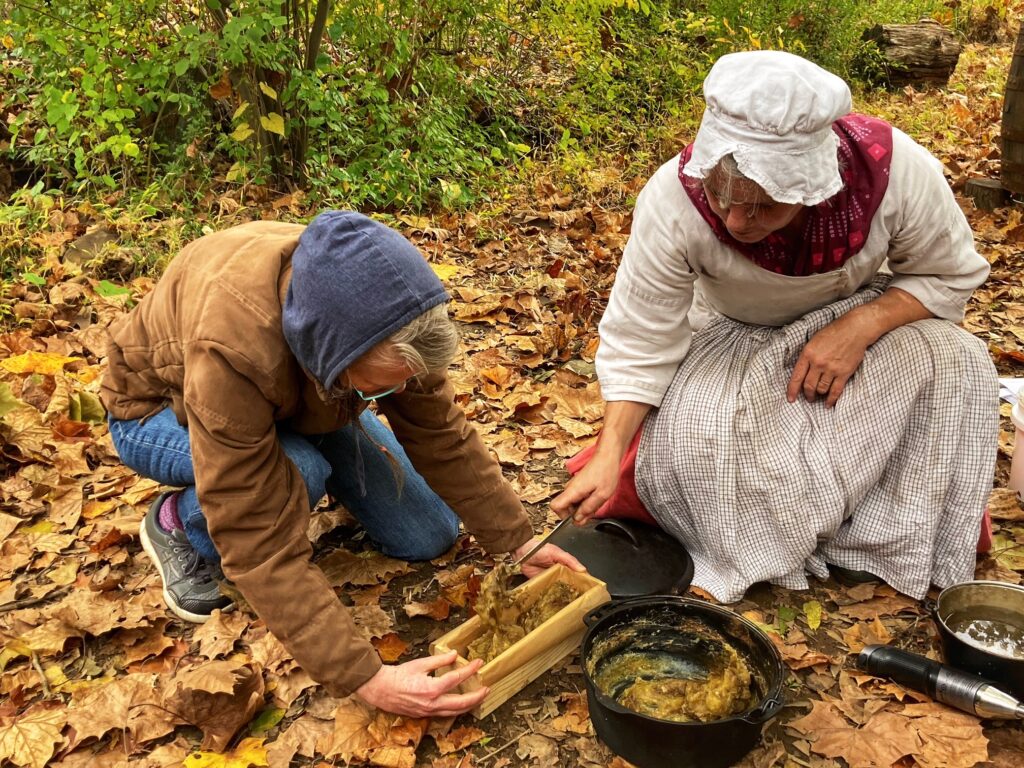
column 630, row 557
column 650, row 742
column 982, row 600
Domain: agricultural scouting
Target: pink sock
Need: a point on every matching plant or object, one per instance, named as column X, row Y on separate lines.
column 168, row 516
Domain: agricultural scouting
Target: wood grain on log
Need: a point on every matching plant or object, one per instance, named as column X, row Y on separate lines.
column 988, row 194
column 1012, row 131
column 925, row 53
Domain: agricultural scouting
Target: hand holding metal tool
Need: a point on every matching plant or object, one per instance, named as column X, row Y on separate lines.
column 962, row 690
column 543, row 540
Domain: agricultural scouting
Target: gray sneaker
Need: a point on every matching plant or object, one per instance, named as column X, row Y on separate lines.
column 190, row 583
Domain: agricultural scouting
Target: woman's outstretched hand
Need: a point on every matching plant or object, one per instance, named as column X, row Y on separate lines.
column 594, row 485
column 546, row 556
column 589, row 489
column 410, row 689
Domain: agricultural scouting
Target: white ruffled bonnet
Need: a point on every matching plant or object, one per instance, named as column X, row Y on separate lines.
column 774, row 112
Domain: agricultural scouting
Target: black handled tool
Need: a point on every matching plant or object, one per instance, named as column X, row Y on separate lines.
column 942, row 682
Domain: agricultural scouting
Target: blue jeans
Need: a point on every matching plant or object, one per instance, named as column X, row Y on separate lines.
column 412, row 525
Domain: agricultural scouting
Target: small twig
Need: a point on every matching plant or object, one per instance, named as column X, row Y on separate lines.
column 28, row 602
column 42, row 675
column 503, row 747
column 165, row 709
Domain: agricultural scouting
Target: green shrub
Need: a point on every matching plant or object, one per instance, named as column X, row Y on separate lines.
column 376, row 105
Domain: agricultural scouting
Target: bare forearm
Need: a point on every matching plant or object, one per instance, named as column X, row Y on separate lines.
column 889, row 311
column 595, row 484
column 622, row 418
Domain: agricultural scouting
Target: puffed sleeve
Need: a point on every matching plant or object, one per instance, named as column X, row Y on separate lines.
column 932, row 254
column 644, row 332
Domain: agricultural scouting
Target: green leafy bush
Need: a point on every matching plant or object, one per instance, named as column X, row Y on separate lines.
column 374, row 104
column 369, row 104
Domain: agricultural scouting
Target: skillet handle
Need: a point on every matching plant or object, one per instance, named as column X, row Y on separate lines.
column 616, row 525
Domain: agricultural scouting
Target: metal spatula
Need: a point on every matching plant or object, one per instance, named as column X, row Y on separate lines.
column 543, row 540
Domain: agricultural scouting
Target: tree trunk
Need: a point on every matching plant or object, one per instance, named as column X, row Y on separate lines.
column 1012, row 133
column 925, row 53
column 988, row 194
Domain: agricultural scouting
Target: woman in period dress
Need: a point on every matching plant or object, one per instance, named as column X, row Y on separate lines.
column 786, row 385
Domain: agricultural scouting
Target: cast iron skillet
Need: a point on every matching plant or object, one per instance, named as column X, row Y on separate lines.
column 632, row 558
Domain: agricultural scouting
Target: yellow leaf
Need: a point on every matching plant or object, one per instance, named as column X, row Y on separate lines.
column 63, row 575
column 273, row 123
column 8, row 402
column 812, row 610
column 43, row 526
column 14, row 649
column 45, row 363
column 96, row 508
column 268, row 90
column 236, row 172
column 87, row 375
column 29, row 740
column 241, row 109
column 446, row 271
column 242, row 132
column 90, row 408
column 250, row 753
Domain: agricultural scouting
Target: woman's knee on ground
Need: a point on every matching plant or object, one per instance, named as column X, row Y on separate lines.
column 312, row 465
column 425, row 540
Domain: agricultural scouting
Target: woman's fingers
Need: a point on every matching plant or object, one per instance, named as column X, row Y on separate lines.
column 836, row 391
column 457, row 677
column 548, row 556
column 427, row 664
column 451, row 704
column 796, row 380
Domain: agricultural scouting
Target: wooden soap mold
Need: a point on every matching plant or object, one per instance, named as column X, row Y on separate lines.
column 524, row 661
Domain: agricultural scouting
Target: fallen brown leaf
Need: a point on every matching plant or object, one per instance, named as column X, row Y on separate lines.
column 132, row 703
column 390, row 647
column 883, row 740
column 342, row 567
column 218, row 697
column 880, row 606
column 299, row 738
column 371, row 620
column 575, row 718
column 217, row 637
column 866, row 633
column 437, row 610
column 30, row 739
column 460, row 738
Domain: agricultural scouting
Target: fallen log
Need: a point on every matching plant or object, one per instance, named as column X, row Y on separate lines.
column 924, row 53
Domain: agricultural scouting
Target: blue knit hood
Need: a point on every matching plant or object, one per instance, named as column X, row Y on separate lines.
column 354, row 283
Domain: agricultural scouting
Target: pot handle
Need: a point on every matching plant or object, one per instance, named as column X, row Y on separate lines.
column 767, row 710
column 931, row 607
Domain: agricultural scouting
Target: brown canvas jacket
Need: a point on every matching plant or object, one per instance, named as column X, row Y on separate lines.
column 208, row 342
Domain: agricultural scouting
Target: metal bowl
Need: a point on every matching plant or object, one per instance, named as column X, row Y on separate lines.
column 981, row 624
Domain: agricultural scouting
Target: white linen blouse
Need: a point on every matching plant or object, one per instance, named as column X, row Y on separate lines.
column 918, row 233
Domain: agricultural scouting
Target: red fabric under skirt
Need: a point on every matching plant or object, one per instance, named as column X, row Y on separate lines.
column 625, row 502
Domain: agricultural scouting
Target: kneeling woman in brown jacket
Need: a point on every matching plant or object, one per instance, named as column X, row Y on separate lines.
column 244, row 378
